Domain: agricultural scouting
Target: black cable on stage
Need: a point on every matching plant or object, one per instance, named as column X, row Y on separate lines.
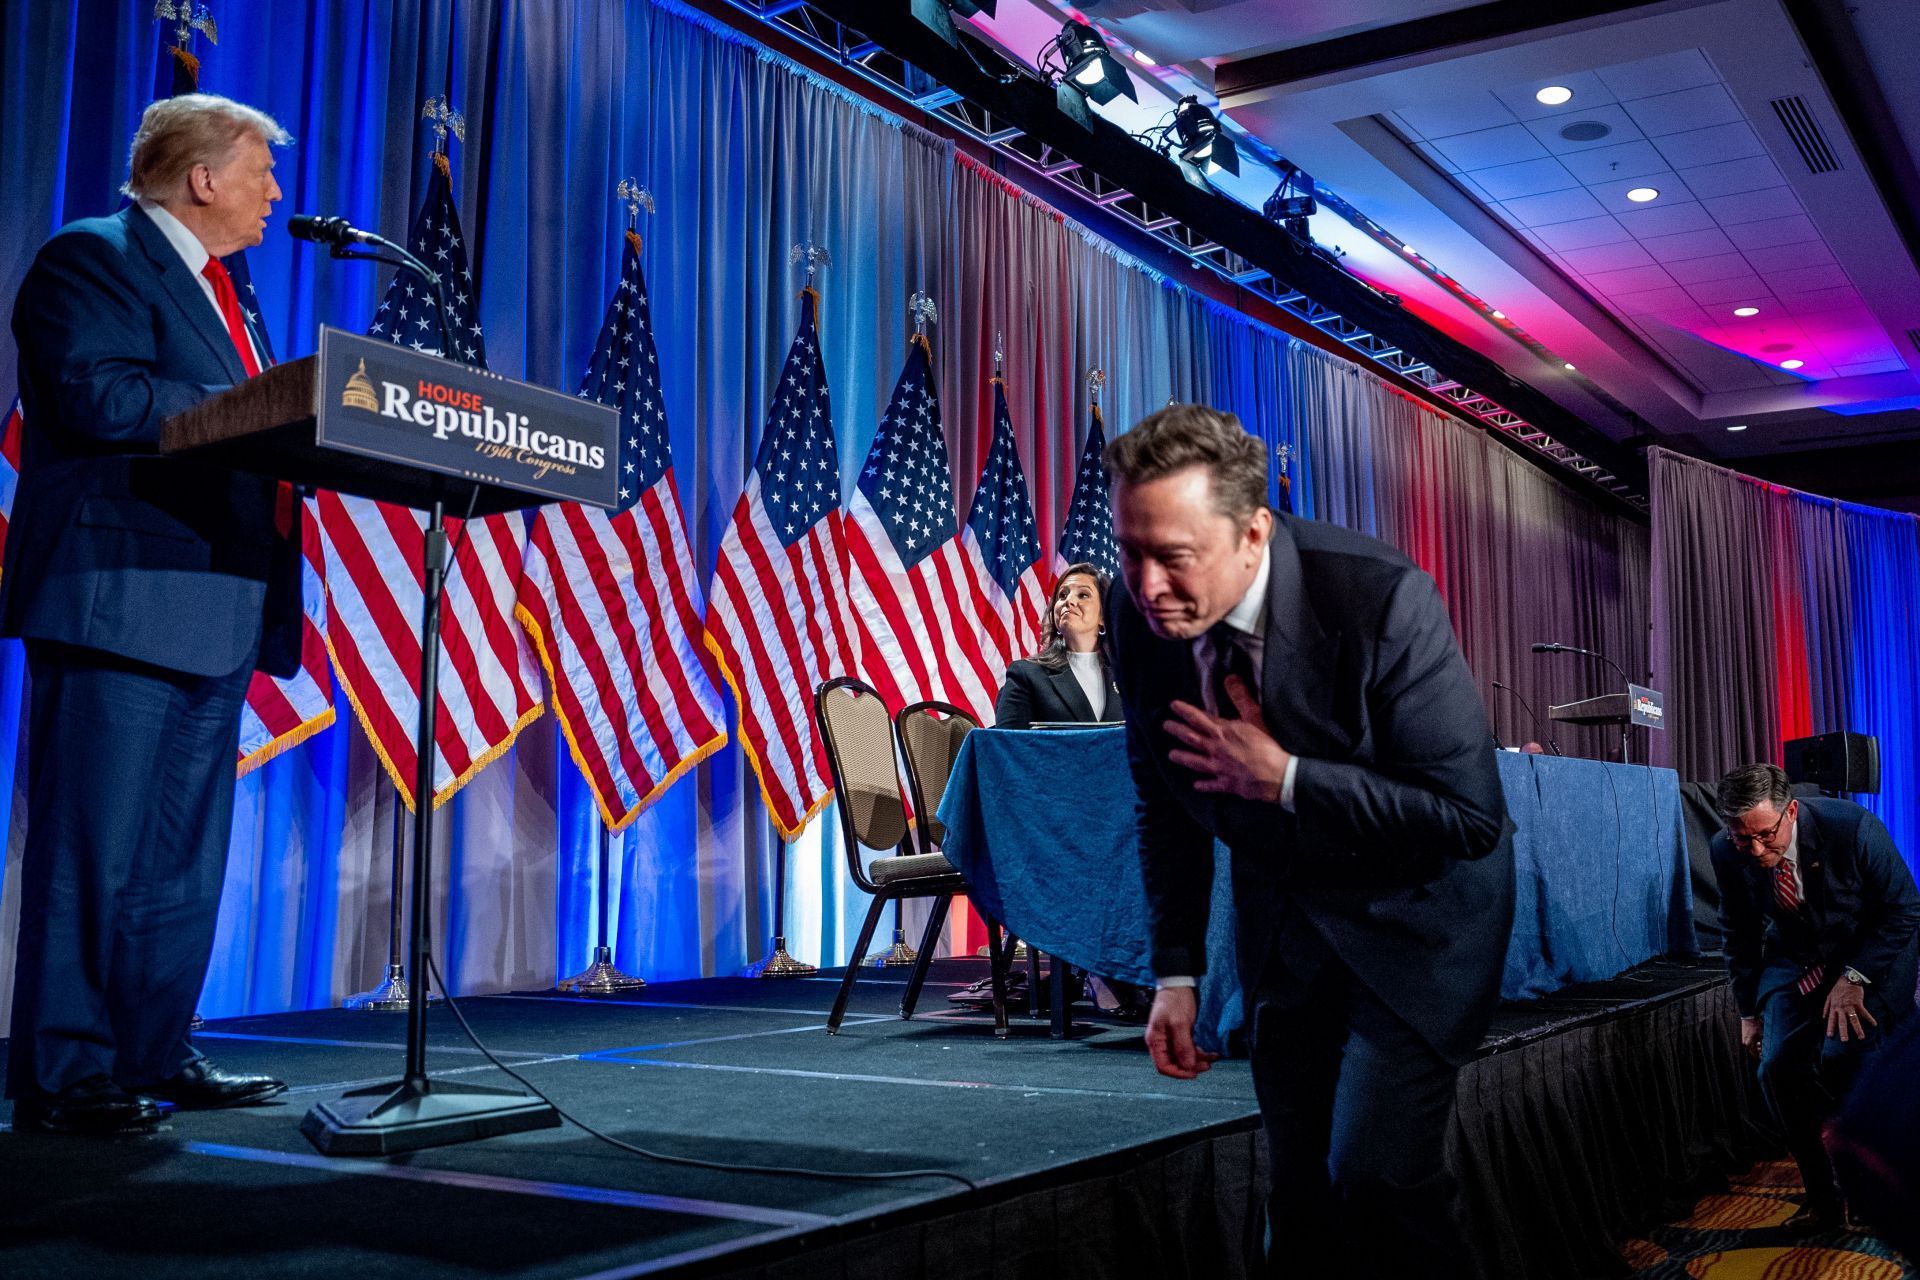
column 720, row 1166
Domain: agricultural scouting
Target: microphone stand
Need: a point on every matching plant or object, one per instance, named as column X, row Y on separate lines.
column 1531, row 714
column 1626, row 730
column 395, row 256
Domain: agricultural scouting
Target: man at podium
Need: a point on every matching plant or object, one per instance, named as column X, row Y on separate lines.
column 147, row 590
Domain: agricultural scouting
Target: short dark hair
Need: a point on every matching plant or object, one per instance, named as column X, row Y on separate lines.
column 1192, row 435
column 1750, row 786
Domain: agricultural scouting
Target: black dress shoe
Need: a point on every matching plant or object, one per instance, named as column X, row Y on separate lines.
column 205, row 1087
column 95, row 1106
column 1816, row 1220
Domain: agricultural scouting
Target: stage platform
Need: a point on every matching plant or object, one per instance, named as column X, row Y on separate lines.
column 1085, row 1162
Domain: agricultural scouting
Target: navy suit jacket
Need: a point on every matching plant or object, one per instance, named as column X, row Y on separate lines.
column 1033, row 693
column 1397, row 851
column 166, row 561
column 1861, row 909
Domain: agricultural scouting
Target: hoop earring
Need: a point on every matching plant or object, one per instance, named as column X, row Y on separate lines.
column 1102, row 631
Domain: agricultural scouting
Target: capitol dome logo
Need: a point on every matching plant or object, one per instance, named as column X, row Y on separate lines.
column 359, row 391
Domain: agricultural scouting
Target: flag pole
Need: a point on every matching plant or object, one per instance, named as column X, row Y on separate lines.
column 778, row 963
column 602, row 977
column 392, row 996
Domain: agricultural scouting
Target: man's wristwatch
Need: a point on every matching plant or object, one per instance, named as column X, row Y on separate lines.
column 1856, row 977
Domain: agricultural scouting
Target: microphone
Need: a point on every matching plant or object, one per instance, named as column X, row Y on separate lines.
column 332, row 231
column 1544, row 736
column 1550, row 646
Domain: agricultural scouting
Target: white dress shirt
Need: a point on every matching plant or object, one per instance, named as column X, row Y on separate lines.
column 1249, row 620
column 1091, row 674
column 195, row 255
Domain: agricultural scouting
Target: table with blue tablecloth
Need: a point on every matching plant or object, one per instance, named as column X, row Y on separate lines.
column 1041, row 824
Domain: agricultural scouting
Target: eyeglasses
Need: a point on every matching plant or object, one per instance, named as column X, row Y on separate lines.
column 1764, row 836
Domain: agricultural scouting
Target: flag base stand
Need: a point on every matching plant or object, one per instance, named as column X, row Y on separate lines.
column 405, row 1116
column 780, row 964
column 390, row 996
column 600, row 978
column 900, row 955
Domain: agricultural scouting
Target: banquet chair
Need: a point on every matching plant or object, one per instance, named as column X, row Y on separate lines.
column 859, row 740
column 930, row 735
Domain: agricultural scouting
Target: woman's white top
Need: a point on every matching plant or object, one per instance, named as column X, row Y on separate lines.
column 1092, row 676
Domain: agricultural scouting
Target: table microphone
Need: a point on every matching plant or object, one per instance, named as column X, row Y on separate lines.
column 1537, row 726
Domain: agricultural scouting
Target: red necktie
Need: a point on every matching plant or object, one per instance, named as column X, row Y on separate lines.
column 1787, row 898
column 216, row 275
column 223, row 293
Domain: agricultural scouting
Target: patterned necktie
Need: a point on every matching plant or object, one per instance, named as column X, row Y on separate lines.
column 216, row 275
column 1229, row 659
column 1787, row 898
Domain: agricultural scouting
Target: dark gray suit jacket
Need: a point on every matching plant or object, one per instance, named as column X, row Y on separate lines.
column 1397, row 851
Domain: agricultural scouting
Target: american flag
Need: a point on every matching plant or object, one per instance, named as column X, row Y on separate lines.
column 1000, row 531
column 281, row 712
column 611, row 602
column 489, row 680
column 775, row 615
column 927, row 624
column 1088, row 535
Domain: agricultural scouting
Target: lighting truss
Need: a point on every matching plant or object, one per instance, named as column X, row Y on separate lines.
column 852, row 51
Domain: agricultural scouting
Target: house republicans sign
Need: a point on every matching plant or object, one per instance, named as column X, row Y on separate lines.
column 389, row 402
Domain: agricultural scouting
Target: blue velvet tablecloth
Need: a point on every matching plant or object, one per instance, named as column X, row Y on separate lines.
column 1042, row 825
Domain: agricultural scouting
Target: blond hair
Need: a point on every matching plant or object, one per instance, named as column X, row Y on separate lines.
column 178, row 133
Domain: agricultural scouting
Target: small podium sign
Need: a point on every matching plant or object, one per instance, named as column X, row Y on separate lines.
column 388, row 402
column 1645, row 707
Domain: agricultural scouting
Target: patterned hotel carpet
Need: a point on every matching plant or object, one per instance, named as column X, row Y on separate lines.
column 1735, row 1236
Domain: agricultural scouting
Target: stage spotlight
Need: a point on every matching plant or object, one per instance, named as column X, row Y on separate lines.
column 1090, row 67
column 937, row 15
column 1203, row 143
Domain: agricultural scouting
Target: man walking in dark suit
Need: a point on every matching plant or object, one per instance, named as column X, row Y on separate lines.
column 147, row 589
column 1295, row 690
column 1822, row 938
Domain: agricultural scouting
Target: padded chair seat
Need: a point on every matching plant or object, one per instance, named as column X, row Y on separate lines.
column 885, row 871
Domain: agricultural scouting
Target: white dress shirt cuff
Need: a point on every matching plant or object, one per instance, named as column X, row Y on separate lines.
column 1286, row 783
column 1175, row 982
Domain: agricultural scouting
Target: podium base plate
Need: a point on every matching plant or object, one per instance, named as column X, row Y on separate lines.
column 409, row 1114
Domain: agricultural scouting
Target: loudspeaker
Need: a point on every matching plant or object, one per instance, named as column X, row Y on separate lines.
column 1835, row 761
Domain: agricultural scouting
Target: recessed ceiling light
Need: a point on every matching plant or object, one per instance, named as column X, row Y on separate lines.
column 1567, row 366
column 1746, row 311
column 1499, row 315
column 1791, row 364
column 1553, row 95
column 1739, row 426
column 1640, row 195
column 1143, row 59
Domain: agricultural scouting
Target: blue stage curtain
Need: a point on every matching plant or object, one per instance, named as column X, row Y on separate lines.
column 746, row 153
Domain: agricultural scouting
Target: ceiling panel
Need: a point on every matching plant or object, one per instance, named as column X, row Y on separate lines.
column 1663, row 74
column 1710, row 104
column 1528, row 178
column 1699, row 270
column 1607, row 257
column 1752, row 206
column 1632, row 280
column 1729, row 177
column 1486, row 148
column 1555, row 206
column 1707, row 243
column 1772, row 231
column 1460, row 113
column 1707, row 146
column 1664, row 219
column 1582, row 233
column 1625, row 160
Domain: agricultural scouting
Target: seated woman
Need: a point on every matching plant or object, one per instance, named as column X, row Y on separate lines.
column 1068, row 680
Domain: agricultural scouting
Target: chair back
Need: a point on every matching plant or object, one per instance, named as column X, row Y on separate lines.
column 866, row 781
column 930, row 737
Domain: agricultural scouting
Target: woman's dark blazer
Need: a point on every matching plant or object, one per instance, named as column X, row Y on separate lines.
column 1035, row 694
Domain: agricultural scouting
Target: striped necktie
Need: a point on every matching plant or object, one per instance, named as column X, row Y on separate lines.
column 1787, row 898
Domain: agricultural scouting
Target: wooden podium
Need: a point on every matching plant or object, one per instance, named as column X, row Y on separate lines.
column 371, row 419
